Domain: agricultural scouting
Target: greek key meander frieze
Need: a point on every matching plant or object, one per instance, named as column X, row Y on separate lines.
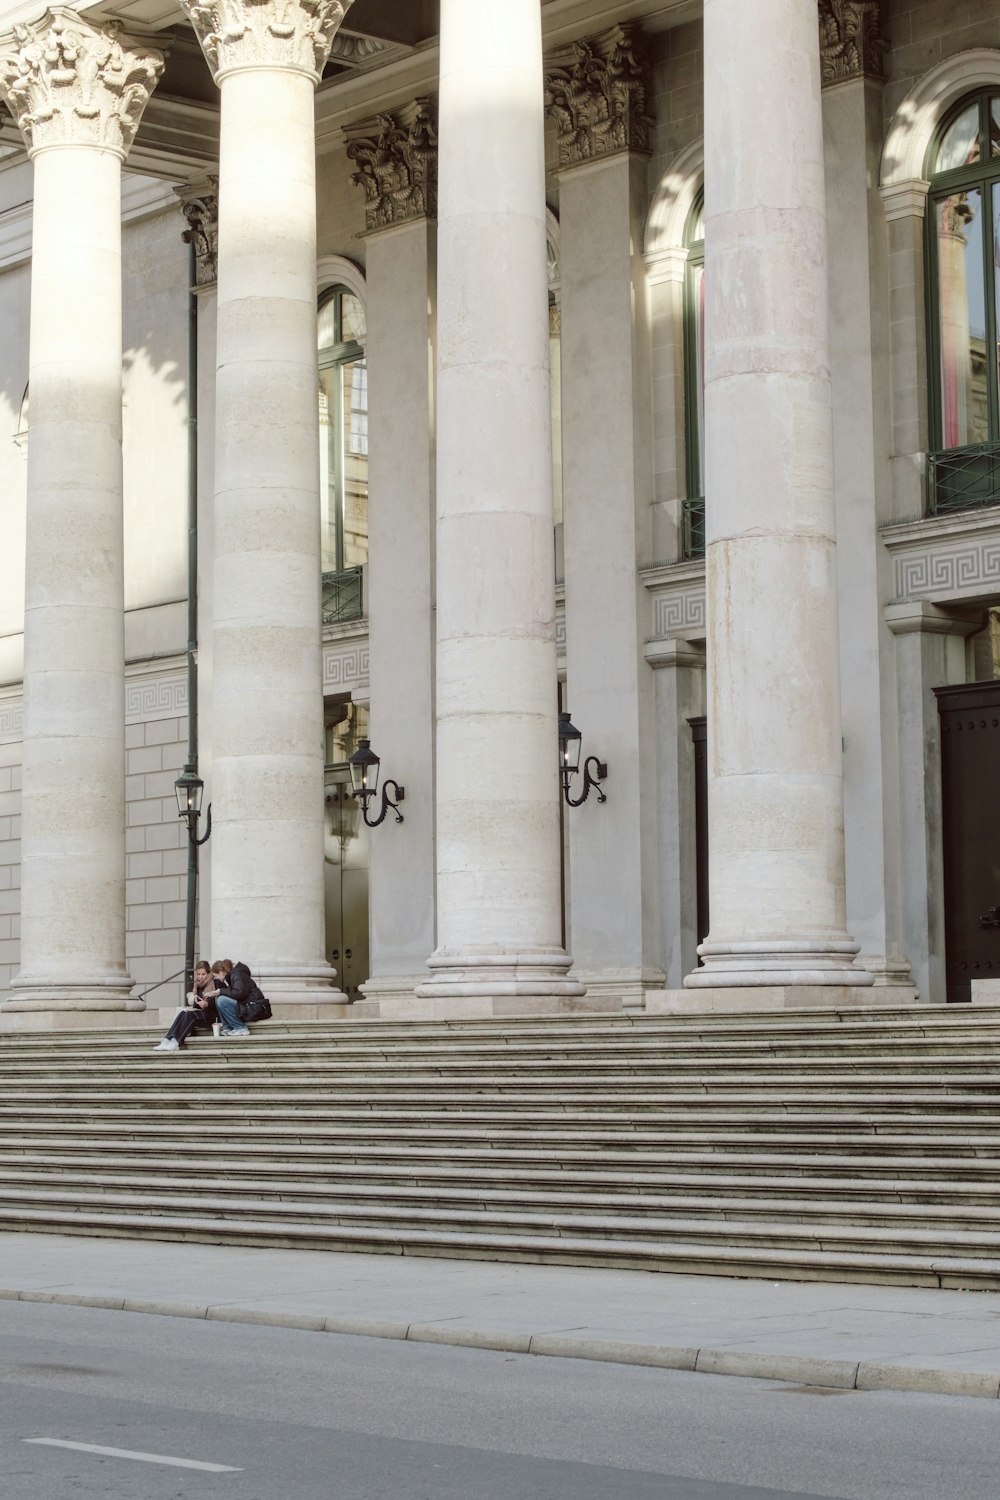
column 939, row 573
column 200, row 207
column 69, row 83
column 11, row 721
column 396, row 156
column 149, row 698
column 294, row 34
column 597, row 90
column 678, row 610
column 850, row 39
column 345, row 667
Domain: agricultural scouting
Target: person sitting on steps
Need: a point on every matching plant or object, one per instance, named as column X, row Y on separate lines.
column 201, row 1014
column 237, row 998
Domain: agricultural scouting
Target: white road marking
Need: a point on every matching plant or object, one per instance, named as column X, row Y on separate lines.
column 142, row 1458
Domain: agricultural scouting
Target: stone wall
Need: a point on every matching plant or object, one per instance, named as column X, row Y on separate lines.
column 922, row 33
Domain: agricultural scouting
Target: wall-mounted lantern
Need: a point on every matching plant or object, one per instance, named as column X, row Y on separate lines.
column 594, row 770
column 364, row 764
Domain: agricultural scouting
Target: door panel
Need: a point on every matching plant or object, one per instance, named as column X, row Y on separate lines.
column 970, row 784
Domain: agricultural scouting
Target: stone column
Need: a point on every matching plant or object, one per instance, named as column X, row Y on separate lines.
column 607, row 505
column 77, row 93
column 396, row 158
column 775, row 782
column 498, row 887
column 859, row 336
column 267, row 718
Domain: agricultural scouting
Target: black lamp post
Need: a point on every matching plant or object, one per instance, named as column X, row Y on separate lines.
column 364, row 764
column 570, row 745
column 190, row 789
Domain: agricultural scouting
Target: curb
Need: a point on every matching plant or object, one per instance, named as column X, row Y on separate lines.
column 844, row 1375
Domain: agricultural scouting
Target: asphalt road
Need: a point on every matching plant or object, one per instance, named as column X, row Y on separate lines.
column 275, row 1414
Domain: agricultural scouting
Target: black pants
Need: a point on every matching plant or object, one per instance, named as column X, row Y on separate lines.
column 186, row 1021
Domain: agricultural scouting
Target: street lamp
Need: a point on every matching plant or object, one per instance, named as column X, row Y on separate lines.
column 570, row 745
column 190, row 789
column 364, row 764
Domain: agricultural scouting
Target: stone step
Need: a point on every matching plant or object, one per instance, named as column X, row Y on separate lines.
column 814, row 1200
column 820, row 1264
column 915, row 1178
column 852, row 1238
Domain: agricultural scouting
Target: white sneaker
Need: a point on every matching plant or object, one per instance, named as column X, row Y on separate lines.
column 242, row 1032
column 167, row 1045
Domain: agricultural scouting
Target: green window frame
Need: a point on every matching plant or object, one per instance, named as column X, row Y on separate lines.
column 693, row 509
column 963, row 282
column 343, row 405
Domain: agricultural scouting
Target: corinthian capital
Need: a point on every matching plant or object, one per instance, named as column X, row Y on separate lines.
column 597, row 90
column 292, row 34
column 68, row 83
column 850, row 39
column 396, row 155
column 200, row 207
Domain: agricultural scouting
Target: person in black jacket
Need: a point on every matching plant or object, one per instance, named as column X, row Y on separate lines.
column 201, row 1013
column 234, row 985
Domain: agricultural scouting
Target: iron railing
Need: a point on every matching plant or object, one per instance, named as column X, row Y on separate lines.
column 342, row 596
column 963, row 478
column 693, row 528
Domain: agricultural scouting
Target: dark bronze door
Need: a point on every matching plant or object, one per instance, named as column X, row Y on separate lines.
column 970, row 778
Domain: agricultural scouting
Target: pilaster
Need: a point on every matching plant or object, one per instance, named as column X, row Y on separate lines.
column 599, row 101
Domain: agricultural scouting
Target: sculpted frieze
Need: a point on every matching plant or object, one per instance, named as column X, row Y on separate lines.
column 850, row 38
column 396, row 156
column 200, row 207
column 294, row 34
column 67, row 82
column 598, row 91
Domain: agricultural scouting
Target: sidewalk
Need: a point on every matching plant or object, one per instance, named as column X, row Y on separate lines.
column 810, row 1333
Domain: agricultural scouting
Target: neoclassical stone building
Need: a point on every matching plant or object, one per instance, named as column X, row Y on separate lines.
column 469, row 363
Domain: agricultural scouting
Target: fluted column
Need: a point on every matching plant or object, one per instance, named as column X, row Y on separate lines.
column 498, row 886
column 267, row 720
column 77, row 92
column 775, row 782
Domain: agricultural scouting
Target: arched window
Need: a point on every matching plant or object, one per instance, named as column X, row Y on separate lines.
column 693, row 541
column 964, row 272
column 343, row 417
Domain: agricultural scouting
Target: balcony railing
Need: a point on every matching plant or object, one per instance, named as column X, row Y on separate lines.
column 963, row 479
column 693, row 528
column 342, row 596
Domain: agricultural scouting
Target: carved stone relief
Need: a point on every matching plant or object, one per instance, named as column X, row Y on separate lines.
column 200, row 207
column 598, row 90
column 850, row 38
column 396, row 155
column 294, row 34
column 67, row 82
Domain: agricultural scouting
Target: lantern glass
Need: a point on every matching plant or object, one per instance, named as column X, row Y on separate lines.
column 570, row 740
column 189, row 788
column 364, row 764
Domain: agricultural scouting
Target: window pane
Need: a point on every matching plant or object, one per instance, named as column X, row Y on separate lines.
column 961, row 141
column 697, row 231
column 355, row 397
column 327, row 325
column 352, row 314
column 995, row 126
column 329, row 464
column 962, row 304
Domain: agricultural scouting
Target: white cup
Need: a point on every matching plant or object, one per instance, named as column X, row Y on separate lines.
column 216, row 1028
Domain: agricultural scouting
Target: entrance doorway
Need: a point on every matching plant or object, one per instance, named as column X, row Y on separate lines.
column 970, row 785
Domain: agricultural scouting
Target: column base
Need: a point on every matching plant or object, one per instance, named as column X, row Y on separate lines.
column 522, row 976
column 785, row 963
column 29, row 995
column 309, row 984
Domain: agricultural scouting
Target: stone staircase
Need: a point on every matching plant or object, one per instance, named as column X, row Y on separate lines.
column 845, row 1145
